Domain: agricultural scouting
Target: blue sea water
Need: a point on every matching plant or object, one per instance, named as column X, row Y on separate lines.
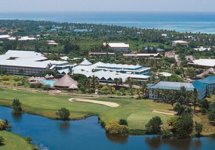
column 182, row 22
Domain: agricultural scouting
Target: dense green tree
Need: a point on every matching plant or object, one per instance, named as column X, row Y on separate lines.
column 211, row 116
column 17, row 106
column 154, row 125
column 63, row 114
column 181, row 126
column 198, row 128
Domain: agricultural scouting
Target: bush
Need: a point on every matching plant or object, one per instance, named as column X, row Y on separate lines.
column 182, row 110
column 63, row 114
column 211, row 116
column 123, row 122
column 182, row 126
column 1, row 141
column 17, row 106
column 4, row 124
column 154, row 125
column 46, row 87
column 198, row 128
column 166, row 133
column 116, row 129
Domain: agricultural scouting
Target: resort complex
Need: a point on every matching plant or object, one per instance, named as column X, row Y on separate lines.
column 130, row 81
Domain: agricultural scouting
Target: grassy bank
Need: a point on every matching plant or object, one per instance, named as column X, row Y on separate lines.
column 12, row 141
column 136, row 112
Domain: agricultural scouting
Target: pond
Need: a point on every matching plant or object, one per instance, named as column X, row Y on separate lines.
column 88, row 135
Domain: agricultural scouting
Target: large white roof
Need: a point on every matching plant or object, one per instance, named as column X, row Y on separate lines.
column 204, row 62
column 117, row 45
column 4, row 36
column 26, row 59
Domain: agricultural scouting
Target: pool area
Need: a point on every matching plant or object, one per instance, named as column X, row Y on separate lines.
column 48, row 82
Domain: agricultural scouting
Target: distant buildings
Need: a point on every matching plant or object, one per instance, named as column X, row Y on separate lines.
column 27, row 62
column 117, row 47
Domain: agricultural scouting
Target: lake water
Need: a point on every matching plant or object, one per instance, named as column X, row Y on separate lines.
column 183, row 22
column 88, row 135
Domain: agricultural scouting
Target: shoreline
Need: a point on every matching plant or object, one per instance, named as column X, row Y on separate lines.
column 132, row 132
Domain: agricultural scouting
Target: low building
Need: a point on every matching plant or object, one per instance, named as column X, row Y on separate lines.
column 201, row 49
column 180, row 42
column 117, row 47
column 210, row 84
column 107, row 72
column 203, row 87
column 27, row 62
column 52, row 42
column 208, row 63
column 100, row 53
column 142, row 55
column 165, row 85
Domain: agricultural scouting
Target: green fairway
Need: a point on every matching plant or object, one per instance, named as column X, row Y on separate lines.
column 15, row 142
column 137, row 112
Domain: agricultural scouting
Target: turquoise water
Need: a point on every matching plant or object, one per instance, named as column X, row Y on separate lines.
column 183, row 22
column 48, row 82
column 88, row 135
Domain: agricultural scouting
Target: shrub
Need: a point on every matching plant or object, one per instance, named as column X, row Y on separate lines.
column 116, row 129
column 4, row 124
column 123, row 122
column 198, row 128
column 1, row 141
column 181, row 126
column 154, row 125
column 211, row 116
column 46, row 87
column 63, row 114
column 17, row 106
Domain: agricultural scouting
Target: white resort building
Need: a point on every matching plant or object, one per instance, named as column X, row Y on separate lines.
column 208, row 63
column 107, row 72
column 118, row 47
column 27, row 62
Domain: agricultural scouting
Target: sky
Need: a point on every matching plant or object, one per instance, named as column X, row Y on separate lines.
column 107, row 5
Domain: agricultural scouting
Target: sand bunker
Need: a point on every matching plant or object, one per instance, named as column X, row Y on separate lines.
column 109, row 104
column 164, row 113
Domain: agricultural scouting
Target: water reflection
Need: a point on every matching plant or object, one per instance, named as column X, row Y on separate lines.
column 17, row 117
column 117, row 139
column 154, row 142
column 64, row 126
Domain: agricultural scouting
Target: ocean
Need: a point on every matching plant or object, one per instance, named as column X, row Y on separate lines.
column 182, row 22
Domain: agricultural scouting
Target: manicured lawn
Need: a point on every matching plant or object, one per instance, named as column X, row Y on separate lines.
column 137, row 112
column 14, row 142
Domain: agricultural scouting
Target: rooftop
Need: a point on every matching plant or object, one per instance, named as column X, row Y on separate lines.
column 204, row 62
column 26, row 59
column 208, row 80
column 172, row 85
column 116, row 45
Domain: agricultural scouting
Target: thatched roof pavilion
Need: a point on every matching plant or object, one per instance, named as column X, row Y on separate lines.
column 66, row 82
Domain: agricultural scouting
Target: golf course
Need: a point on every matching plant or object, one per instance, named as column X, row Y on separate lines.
column 136, row 112
column 12, row 141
